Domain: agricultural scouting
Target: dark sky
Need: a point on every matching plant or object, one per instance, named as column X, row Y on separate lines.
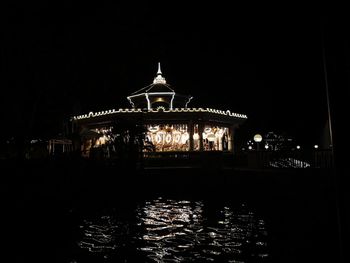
column 57, row 61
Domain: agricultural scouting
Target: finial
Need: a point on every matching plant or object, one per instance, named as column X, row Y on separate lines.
column 159, row 70
column 159, row 79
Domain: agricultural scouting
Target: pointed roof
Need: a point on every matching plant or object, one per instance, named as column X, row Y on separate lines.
column 159, row 84
column 159, row 79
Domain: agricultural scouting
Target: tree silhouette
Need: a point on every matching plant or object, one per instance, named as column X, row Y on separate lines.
column 128, row 142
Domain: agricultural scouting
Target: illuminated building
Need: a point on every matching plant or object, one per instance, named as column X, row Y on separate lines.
column 171, row 126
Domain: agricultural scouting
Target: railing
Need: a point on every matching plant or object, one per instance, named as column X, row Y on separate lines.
column 285, row 159
column 249, row 159
column 207, row 159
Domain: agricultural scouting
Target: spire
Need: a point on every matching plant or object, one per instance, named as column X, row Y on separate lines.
column 159, row 70
column 159, row 79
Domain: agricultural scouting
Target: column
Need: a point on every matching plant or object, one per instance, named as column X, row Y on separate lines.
column 200, row 132
column 230, row 139
column 190, row 131
column 219, row 140
column 49, row 147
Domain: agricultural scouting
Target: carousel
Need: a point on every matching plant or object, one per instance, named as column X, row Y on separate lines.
column 170, row 124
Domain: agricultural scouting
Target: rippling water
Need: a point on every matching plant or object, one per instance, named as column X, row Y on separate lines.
column 164, row 230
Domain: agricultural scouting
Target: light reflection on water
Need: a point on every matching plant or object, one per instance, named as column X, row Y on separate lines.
column 99, row 236
column 177, row 231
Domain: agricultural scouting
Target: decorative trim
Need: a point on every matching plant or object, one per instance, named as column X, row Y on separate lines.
column 148, row 102
column 159, row 109
column 171, row 101
column 189, row 99
column 132, row 104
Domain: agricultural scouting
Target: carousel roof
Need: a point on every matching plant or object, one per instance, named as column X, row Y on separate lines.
column 158, row 93
column 159, row 85
column 146, row 101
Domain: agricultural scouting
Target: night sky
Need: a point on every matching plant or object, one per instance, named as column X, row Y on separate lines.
column 58, row 61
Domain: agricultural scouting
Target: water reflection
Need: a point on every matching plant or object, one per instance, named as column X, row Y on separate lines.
column 176, row 231
column 99, row 235
column 181, row 231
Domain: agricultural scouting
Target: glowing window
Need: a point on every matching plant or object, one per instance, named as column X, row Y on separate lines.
column 168, row 137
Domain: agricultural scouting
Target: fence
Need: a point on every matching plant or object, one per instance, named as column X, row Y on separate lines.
column 285, row 159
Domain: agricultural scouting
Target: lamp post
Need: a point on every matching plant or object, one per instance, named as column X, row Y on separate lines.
column 257, row 139
column 336, row 176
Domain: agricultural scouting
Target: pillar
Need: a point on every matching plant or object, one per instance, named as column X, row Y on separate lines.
column 191, row 131
column 200, row 132
column 230, row 139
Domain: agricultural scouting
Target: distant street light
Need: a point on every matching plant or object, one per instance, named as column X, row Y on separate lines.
column 316, row 146
column 298, row 147
column 258, row 139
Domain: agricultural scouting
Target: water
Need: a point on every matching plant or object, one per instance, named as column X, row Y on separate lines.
column 169, row 230
column 222, row 217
